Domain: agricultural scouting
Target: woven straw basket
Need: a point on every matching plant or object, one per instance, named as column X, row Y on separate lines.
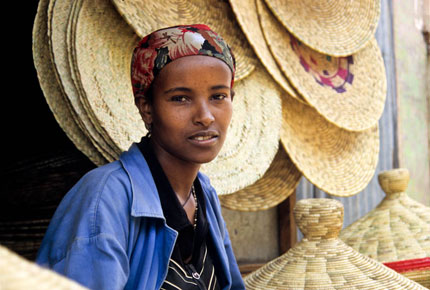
column 17, row 273
column 321, row 260
column 398, row 229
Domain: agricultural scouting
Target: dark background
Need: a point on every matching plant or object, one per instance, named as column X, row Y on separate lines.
column 40, row 164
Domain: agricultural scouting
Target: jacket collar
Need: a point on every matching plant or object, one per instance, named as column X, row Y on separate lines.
column 146, row 201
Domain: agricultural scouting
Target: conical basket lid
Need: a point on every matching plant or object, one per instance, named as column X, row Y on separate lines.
column 321, row 260
column 18, row 273
column 397, row 229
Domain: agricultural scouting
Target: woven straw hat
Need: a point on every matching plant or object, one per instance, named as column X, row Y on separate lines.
column 17, row 273
column 253, row 136
column 247, row 17
column 336, row 28
column 321, row 260
column 348, row 91
column 337, row 161
column 278, row 183
column 52, row 91
column 145, row 16
column 397, row 229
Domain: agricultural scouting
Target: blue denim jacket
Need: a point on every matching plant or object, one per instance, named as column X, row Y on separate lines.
column 109, row 231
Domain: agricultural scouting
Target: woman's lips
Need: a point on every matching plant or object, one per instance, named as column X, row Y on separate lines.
column 205, row 137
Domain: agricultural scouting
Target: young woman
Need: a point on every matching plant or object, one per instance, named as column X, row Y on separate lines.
column 151, row 220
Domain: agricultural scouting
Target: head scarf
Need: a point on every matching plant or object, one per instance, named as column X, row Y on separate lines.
column 163, row 46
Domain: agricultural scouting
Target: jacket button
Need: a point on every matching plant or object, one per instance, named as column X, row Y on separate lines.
column 196, row 275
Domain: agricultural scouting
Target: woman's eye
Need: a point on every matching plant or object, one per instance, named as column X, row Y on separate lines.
column 219, row 97
column 178, row 99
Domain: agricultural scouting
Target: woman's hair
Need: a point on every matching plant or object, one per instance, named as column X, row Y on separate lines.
column 163, row 46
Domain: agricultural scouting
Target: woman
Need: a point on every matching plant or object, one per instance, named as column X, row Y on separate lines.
column 150, row 220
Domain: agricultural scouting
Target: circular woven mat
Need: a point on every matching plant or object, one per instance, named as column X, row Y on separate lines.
column 337, row 161
column 247, row 17
column 52, row 91
column 145, row 16
column 278, row 183
column 253, row 136
column 333, row 27
column 398, row 228
column 348, row 91
column 321, row 260
column 59, row 33
column 17, row 273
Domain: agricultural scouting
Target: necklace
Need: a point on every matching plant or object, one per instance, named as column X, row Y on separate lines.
column 197, row 207
column 189, row 195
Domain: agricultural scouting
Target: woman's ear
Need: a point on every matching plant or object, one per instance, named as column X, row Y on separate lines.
column 145, row 109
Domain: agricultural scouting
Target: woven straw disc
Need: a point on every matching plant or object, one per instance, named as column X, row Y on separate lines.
column 17, row 273
column 145, row 16
column 278, row 183
column 253, row 136
column 321, row 260
column 53, row 94
column 246, row 15
column 58, row 26
column 338, row 161
column 397, row 229
column 349, row 91
column 333, row 27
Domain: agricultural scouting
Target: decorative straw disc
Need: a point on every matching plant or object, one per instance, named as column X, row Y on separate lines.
column 54, row 96
column 278, row 183
column 321, row 260
column 348, row 91
column 145, row 16
column 253, row 136
column 333, row 27
column 246, row 15
column 338, row 161
column 17, row 273
column 58, row 24
column 397, row 229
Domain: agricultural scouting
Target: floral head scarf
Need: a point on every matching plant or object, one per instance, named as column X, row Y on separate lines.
column 163, row 46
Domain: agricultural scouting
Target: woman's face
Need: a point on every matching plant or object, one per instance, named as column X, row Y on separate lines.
column 191, row 109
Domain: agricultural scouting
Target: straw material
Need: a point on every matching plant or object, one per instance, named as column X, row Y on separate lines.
column 337, row 161
column 253, row 136
column 348, row 91
column 54, row 96
column 145, row 16
column 336, row 28
column 417, row 270
column 247, row 17
column 397, row 229
column 17, row 273
column 278, row 183
column 321, row 260
column 59, row 34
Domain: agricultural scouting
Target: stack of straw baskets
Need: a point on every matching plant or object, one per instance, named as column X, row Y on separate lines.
column 310, row 90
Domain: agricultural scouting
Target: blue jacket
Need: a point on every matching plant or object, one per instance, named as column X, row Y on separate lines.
column 109, row 231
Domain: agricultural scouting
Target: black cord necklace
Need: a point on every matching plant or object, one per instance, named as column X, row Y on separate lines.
column 189, row 195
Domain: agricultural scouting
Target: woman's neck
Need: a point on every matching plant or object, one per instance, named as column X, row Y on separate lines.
column 180, row 173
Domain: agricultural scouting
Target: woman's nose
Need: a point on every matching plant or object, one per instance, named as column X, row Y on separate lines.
column 203, row 114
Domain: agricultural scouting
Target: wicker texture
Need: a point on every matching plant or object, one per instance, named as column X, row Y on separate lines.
column 55, row 97
column 247, row 17
column 277, row 184
column 85, row 73
column 397, row 229
column 145, row 16
column 338, row 161
column 321, row 260
column 417, row 270
column 349, row 91
column 17, row 273
column 336, row 28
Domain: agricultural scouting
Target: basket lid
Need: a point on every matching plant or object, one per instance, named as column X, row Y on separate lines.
column 398, row 228
column 321, row 260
